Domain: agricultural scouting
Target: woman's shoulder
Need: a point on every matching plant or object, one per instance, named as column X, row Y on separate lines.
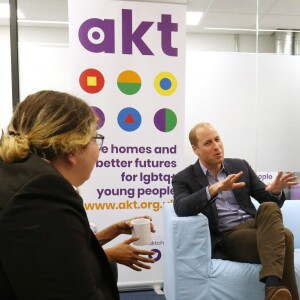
column 32, row 176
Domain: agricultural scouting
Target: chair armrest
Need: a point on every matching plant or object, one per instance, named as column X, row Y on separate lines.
column 291, row 213
column 187, row 254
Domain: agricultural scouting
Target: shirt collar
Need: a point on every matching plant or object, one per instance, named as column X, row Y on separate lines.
column 76, row 189
column 205, row 170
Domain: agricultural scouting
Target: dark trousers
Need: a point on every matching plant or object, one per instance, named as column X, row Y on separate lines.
column 264, row 241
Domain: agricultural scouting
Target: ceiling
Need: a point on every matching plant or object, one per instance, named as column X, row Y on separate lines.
column 220, row 16
column 242, row 14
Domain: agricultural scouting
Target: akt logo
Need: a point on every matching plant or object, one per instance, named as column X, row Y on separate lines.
column 97, row 35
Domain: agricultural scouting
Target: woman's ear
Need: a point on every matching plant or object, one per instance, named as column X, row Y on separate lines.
column 72, row 159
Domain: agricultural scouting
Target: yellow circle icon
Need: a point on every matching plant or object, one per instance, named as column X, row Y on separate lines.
column 165, row 83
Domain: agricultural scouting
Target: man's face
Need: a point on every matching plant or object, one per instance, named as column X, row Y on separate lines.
column 209, row 148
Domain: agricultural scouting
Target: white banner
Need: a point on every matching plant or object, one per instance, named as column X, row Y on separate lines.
column 128, row 61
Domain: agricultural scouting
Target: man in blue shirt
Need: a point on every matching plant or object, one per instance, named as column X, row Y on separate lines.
column 222, row 189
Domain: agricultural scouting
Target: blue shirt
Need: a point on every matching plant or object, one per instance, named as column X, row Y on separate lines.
column 229, row 212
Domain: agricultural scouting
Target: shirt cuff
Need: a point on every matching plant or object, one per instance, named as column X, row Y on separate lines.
column 278, row 196
column 207, row 193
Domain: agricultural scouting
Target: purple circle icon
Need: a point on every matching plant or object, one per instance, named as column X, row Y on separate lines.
column 158, row 255
column 100, row 116
column 165, row 120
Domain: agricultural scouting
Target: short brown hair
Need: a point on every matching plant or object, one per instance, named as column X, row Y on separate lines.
column 192, row 135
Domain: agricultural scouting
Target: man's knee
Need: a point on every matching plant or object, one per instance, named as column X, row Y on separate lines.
column 269, row 207
column 289, row 237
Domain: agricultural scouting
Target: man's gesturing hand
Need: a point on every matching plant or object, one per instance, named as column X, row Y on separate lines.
column 281, row 182
column 227, row 184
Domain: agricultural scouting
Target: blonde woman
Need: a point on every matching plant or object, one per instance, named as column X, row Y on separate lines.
column 47, row 250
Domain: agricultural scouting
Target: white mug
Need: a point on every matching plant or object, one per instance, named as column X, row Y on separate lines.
column 141, row 228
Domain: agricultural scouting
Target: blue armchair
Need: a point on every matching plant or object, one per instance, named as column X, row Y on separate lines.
column 191, row 274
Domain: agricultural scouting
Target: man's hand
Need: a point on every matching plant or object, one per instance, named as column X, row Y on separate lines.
column 130, row 256
column 227, row 184
column 281, row 182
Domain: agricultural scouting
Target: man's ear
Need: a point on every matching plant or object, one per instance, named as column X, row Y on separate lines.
column 195, row 149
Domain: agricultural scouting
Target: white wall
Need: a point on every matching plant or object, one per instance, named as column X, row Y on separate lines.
column 43, row 67
column 44, row 60
column 253, row 101
column 5, row 78
column 278, row 143
column 230, row 43
column 44, row 35
column 221, row 90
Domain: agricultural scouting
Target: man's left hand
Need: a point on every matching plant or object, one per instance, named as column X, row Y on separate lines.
column 281, row 182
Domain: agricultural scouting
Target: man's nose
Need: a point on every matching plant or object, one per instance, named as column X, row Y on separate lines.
column 215, row 145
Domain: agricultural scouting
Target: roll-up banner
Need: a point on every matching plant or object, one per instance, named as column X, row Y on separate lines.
column 128, row 63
